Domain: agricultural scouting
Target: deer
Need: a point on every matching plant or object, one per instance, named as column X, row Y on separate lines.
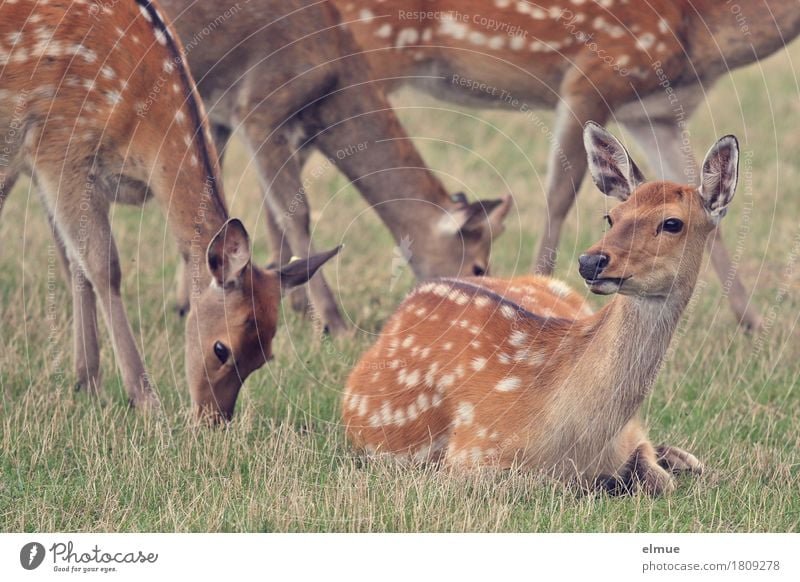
column 646, row 66
column 288, row 78
column 507, row 374
column 79, row 113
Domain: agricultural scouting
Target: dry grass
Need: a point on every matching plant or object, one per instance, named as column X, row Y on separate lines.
column 69, row 463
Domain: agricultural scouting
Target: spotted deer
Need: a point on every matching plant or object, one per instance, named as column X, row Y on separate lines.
column 645, row 65
column 287, row 78
column 79, row 113
column 505, row 374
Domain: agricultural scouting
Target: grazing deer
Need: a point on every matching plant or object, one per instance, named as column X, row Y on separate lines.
column 646, row 65
column 79, row 112
column 285, row 76
column 520, row 374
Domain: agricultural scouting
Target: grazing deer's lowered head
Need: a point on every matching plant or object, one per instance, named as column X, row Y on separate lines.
column 519, row 373
column 233, row 320
column 458, row 235
column 98, row 105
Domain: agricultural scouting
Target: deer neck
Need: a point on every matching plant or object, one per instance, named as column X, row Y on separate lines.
column 187, row 181
column 389, row 173
column 624, row 346
column 408, row 198
column 725, row 35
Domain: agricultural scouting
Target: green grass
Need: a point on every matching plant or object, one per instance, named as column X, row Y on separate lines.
column 71, row 463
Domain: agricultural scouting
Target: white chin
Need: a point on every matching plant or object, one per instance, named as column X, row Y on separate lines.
column 604, row 287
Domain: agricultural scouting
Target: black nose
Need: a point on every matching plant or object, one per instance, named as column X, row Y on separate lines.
column 590, row 266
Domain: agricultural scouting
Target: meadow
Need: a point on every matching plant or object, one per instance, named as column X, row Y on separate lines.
column 70, row 462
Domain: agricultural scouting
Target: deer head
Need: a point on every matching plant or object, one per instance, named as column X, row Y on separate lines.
column 655, row 238
column 461, row 242
column 232, row 322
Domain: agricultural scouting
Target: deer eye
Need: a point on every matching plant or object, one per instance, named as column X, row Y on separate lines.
column 222, row 352
column 478, row 271
column 672, row 225
column 609, row 221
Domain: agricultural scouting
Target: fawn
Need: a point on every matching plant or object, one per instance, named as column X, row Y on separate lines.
column 287, row 77
column 646, row 65
column 519, row 374
column 79, row 112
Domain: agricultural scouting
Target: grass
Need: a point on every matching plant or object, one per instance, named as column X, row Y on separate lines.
column 71, row 463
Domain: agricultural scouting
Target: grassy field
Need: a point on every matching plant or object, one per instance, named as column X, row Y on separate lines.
column 71, row 463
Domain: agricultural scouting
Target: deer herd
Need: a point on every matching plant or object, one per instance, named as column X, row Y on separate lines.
column 128, row 100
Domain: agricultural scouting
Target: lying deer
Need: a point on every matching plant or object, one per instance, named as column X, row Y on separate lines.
column 286, row 76
column 646, row 65
column 520, row 374
column 73, row 75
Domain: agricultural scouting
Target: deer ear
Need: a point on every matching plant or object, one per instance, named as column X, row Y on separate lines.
column 299, row 271
column 612, row 169
column 719, row 176
column 481, row 215
column 229, row 253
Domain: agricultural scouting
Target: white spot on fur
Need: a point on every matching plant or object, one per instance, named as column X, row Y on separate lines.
column 412, row 379
column 407, row 36
column 646, row 41
column 559, row 287
column 465, row 414
column 384, row 31
column 508, row 311
column 482, row 301
column 517, row 338
column 496, row 42
column 114, row 97
column 446, row 381
column 508, row 384
column 451, row 27
column 478, row 363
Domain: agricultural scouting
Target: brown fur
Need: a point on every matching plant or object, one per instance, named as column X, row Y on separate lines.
column 471, row 373
column 285, row 95
column 615, row 71
column 77, row 99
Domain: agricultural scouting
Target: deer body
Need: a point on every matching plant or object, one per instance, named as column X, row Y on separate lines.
column 287, row 77
column 521, row 374
column 646, row 65
column 503, row 385
column 76, row 91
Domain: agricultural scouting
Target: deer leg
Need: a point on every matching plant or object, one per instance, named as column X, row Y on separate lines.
column 86, row 348
column 92, row 251
column 641, row 471
column 7, row 182
column 285, row 198
column 663, row 146
column 678, row 461
column 566, row 169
